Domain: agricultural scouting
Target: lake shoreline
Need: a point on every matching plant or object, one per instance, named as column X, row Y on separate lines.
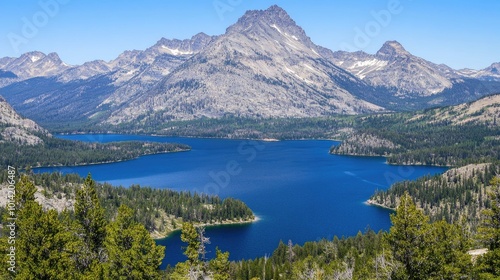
column 160, row 236
column 264, row 139
column 371, row 202
column 112, row 161
column 390, row 163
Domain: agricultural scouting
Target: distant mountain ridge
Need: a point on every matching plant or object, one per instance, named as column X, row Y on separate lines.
column 489, row 73
column 264, row 65
column 393, row 66
column 29, row 65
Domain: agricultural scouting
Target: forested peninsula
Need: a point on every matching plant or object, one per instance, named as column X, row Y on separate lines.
column 161, row 211
column 58, row 152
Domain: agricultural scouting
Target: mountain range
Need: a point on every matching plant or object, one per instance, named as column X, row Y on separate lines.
column 264, row 65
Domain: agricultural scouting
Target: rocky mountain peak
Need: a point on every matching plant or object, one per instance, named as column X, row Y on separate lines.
column 392, row 49
column 187, row 46
column 273, row 14
column 494, row 68
column 54, row 57
column 200, row 37
column 35, row 64
column 393, row 66
column 278, row 12
column 39, row 57
column 264, row 65
column 33, row 56
column 273, row 19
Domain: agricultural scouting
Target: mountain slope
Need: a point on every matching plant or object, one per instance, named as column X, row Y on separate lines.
column 54, row 103
column 263, row 66
column 155, row 63
column 84, row 93
column 393, row 66
column 16, row 129
column 484, row 111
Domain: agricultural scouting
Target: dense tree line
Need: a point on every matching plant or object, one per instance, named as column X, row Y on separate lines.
column 277, row 128
column 159, row 210
column 407, row 140
column 69, row 153
column 230, row 127
column 413, row 249
column 458, row 193
column 149, row 205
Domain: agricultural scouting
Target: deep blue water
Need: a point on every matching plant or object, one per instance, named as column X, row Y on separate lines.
column 298, row 190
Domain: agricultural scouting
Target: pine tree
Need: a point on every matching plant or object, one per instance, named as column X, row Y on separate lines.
column 25, row 191
column 192, row 268
column 408, row 239
column 191, row 237
column 489, row 234
column 42, row 243
column 91, row 228
column 448, row 252
column 489, row 231
column 132, row 253
column 220, row 265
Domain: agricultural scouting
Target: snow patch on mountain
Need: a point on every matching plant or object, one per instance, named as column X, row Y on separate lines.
column 177, row 51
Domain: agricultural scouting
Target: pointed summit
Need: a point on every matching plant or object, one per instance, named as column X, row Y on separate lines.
column 273, row 19
column 54, row 57
column 272, row 14
column 494, row 68
column 35, row 64
column 277, row 11
column 392, row 49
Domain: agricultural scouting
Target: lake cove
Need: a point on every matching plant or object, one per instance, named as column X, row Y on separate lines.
column 297, row 189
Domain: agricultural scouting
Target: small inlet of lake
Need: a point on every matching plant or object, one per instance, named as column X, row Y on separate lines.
column 296, row 188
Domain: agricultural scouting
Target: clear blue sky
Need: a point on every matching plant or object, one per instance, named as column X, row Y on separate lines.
column 458, row 33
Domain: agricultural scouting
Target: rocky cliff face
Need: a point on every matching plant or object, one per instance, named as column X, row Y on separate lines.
column 14, row 128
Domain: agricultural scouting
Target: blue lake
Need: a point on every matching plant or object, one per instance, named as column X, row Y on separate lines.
column 298, row 190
